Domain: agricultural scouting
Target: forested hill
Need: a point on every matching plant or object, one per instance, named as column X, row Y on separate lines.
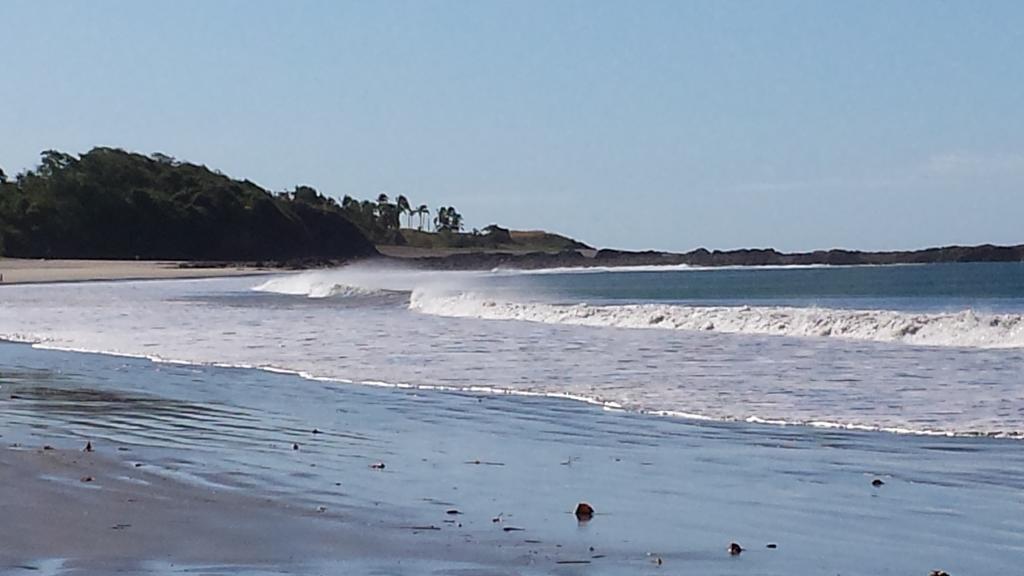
column 109, row 203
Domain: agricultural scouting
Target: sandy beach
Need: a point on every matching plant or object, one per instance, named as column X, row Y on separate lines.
column 31, row 271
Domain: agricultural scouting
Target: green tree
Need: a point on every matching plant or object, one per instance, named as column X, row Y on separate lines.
column 421, row 212
column 402, row 205
column 108, row 203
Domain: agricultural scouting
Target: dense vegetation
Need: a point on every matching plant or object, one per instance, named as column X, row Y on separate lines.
column 109, row 203
column 381, row 221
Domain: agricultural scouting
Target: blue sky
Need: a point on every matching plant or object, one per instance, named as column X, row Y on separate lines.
column 669, row 125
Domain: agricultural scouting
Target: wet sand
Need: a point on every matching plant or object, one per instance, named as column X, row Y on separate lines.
column 26, row 271
column 249, row 472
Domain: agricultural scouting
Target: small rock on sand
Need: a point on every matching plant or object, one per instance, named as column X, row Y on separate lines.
column 584, row 512
column 377, row 466
column 877, row 482
column 735, row 549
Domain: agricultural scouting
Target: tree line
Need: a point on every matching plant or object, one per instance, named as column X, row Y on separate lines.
column 382, row 220
column 109, row 203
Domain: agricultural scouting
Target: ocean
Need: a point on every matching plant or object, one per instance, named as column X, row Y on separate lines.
column 691, row 407
column 930, row 349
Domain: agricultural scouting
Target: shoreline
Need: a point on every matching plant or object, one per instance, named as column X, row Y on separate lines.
column 17, row 271
column 703, row 258
column 32, row 271
column 596, row 403
column 663, row 489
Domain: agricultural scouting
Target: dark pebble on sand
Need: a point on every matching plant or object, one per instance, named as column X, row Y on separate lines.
column 877, row 482
column 377, row 466
column 584, row 512
column 772, row 546
column 735, row 549
column 453, row 512
column 295, row 446
column 86, row 479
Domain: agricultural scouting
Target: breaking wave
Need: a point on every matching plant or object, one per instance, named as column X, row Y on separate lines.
column 960, row 329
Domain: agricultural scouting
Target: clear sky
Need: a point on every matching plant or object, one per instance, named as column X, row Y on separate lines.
column 667, row 125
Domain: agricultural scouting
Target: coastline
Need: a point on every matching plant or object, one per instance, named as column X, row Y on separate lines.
column 610, row 258
column 42, row 271
column 664, row 489
column 36, row 271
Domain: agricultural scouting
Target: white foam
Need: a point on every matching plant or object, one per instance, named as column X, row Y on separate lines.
column 363, row 279
column 963, row 329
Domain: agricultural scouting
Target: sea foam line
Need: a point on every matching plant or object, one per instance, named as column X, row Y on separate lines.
column 499, row 391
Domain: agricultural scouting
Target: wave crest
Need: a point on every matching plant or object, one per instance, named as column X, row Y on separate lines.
column 962, row 329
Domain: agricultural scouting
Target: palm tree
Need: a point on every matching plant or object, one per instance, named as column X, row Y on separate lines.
column 421, row 212
column 455, row 219
column 402, row 204
column 441, row 221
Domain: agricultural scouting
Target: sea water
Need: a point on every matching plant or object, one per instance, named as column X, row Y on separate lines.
column 929, row 349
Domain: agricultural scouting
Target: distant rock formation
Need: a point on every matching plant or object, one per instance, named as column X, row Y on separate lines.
column 704, row 257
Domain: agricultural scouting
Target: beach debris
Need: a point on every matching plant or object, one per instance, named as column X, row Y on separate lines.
column 497, row 518
column 123, row 449
column 877, row 482
column 772, row 546
column 86, row 479
column 452, row 512
column 120, row 526
column 418, row 528
column 735, row 549
column 316, row 430
column 295, row 446
column 88, row 447
column 513, row 529
column 584, row 512
column 572, row 562
column 939, row 573
column 377, row 466
column 47, row 447
column 483, row 462
column 321, row 509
